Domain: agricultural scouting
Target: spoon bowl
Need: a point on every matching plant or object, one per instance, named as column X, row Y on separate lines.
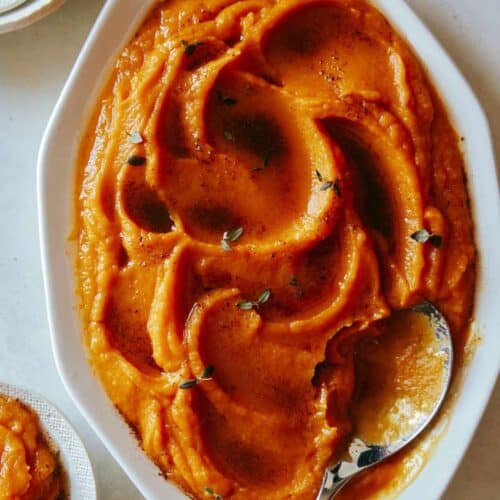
column 365, row 455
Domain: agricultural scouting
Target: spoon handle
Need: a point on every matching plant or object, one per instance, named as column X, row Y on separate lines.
column 330, row 487
column 363, row 456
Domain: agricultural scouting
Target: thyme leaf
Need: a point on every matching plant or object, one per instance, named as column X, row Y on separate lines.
column 136, row 160
column 423, row 236
column 264, row 297
column 207, row 373
column 135, row 137
column 337, row 190
column 436, row 240
column 231, row 236
column 331, row 185
column 188, row 384
column 245, row 305
column 211, row 492
column 225, row 245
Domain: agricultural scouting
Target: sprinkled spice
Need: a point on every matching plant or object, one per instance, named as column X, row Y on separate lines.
column 226, row 100
column 190, row 48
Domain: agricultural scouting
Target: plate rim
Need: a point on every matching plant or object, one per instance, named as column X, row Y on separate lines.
column 13, row 21
column 33, row 400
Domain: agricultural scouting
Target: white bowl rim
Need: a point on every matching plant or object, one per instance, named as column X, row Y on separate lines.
column 26, row 14
column 63, row 437
column 56, row 155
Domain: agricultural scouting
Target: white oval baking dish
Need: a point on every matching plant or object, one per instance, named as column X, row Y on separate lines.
column 56, row 169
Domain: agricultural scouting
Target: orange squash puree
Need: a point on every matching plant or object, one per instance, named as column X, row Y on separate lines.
column 29, row 470
column 311, row 126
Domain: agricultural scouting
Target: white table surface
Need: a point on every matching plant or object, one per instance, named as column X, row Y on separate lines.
column 34, row 63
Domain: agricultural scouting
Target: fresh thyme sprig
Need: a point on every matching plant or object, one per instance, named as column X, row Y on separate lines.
column 247, row 305
column 325, row 186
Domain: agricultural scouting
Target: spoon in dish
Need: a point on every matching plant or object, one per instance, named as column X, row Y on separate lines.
column 363, row 455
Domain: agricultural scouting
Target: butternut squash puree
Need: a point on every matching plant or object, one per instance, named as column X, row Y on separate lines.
column 28, row 468
column 311, row 125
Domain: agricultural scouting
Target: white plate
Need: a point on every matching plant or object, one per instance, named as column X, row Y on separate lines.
column 56, row 169
column 6, row 5
column 64, row 439
column 27, row 13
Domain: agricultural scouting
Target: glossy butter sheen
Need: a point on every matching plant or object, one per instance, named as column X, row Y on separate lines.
column 312, row 126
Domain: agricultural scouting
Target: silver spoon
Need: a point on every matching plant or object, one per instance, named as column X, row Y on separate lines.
column 363, row 455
